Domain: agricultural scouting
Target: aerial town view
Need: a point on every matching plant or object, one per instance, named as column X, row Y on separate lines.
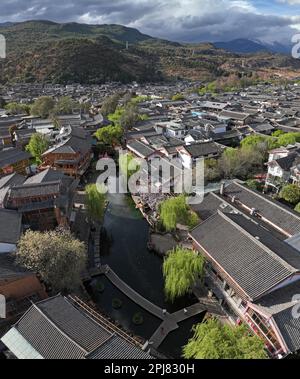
column 150, row 182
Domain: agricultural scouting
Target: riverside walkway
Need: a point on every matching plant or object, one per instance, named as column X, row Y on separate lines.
column 170, row 321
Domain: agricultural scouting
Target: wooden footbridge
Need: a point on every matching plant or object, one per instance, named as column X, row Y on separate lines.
column 169, row 321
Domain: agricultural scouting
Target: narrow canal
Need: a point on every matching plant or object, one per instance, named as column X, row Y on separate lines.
column 124, row 249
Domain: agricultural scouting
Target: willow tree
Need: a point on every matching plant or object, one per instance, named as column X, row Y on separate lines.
column 181, row 269
column 95, row 202
column 212, row 340
column 128, row 164
column 175, row 211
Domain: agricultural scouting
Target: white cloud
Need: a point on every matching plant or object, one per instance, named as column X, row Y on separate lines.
column 182, row 20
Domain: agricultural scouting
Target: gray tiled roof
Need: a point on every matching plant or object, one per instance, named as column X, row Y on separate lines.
column 209, row 206
column 234, row 115
column 116, row 348
column 46, row 338
column 12, row 156
column 12, row 179
column 140, row 148
column 45, row 176
column 10, row 226
column 72, row 145
column 272, row 210
column 9, row 269
column 289, row 328
column 203, row 149
column 251, row 265
column 56, row 329
column 79, row 327
column 280, row 304
column 32, row 190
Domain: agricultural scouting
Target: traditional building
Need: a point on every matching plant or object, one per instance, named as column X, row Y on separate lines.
column 283, row 167
column 14, row 160
column 44, row 200
column 19, row 287
column 72, row 155
column 274, row 215
column 62, row 328
column 253, row 271
column 141, row 150
column 10, row 230
column 191, row 153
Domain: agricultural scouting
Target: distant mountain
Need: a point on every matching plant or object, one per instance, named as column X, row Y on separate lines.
column 5, row 24
column 246, row 46
column 45, row 51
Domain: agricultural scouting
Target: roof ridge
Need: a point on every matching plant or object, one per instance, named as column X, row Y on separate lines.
column 55, row 325
column 240, row 184
column 37, row 184
column 258, row 242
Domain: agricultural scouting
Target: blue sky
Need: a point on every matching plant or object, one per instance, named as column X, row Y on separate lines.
column 178, row 20
column 277, row 7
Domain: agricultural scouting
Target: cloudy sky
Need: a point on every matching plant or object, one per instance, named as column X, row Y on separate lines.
column 178, row 20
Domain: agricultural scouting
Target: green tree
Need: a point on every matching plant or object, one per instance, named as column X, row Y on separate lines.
column 125, row 117
column 254, row 184
column 110, row 135
column 178, row 97
column 286, row 139
column 254, row 140
column 110, row 104
column 128, row 164
column 181, row 269
column 65, row 105
column 297, row 208
column 208, row 88
column 212, row 340
column 38, row 144
column 140, row 99
column 95, row 202
column 212, row 170
column 129, row 117
column 175, row 211
column 43, row 107
column 277, row 133
column 85, row 107
column 241, row 163
column 17, row 108
column 115, row 117
column 290, row 193
column 56, row 255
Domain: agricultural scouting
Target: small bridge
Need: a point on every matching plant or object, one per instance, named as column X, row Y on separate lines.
column 169, row 321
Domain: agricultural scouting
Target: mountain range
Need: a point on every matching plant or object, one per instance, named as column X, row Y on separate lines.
column 246, row 46
column 46, row 51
